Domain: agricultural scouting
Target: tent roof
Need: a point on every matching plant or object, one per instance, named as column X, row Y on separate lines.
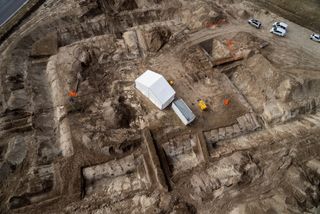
column 157, row 84
column 149, row 78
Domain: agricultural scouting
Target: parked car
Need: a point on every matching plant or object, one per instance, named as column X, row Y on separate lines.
column 255, row 23
column 280, row 24
column 278, row 31
column 315, row 37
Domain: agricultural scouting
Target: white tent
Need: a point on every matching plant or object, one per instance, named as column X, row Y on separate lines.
column 156, row 88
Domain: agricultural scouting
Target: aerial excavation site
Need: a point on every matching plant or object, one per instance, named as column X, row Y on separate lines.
column 160, row 106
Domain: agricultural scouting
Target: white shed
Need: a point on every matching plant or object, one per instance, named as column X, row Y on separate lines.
column 156, row 88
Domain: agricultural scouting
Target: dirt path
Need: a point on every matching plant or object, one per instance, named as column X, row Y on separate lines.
column 297, row 38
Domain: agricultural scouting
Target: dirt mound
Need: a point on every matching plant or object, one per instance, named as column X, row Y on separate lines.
column 200, row 14
column 244, row 14
column 248, row 40
column 196, row 63
column 46, row 46
column 279, row 95
column 117, row 6
column 258, row 81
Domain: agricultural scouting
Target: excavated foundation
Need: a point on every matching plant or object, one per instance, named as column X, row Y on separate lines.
column 77, row 137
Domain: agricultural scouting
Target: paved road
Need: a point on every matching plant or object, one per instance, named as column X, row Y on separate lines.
column 9, row 7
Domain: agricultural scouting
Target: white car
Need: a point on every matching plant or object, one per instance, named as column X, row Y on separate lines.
column 280, row 24
column 255, row 23
column 315, row 37
column 278, row 31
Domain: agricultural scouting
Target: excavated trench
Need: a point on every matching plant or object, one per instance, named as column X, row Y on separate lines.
column 126, row 113
column 28, row 88
column 73, row 29
column 64, row 155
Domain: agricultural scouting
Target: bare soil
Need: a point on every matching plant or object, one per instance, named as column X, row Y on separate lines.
column 108, row 149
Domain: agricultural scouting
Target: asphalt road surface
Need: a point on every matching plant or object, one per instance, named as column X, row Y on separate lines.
column 8, row 8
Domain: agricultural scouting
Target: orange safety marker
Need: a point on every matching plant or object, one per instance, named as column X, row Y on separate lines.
column 226, row 102
column 72, row 94
column 230, row 44
column 213, row 25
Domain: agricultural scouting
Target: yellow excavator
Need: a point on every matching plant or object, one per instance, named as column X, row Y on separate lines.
column 202, row 105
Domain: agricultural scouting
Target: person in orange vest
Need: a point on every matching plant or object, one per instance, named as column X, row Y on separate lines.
column 72, row 93
column 226, row 102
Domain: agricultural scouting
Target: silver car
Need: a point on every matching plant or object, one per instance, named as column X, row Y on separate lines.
column 281, row 24
column 278, row 31
column 315, row 37
column 255, row 23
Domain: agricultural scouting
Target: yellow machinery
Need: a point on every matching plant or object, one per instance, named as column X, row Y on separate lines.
column 171, row 82
column 202, row 105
